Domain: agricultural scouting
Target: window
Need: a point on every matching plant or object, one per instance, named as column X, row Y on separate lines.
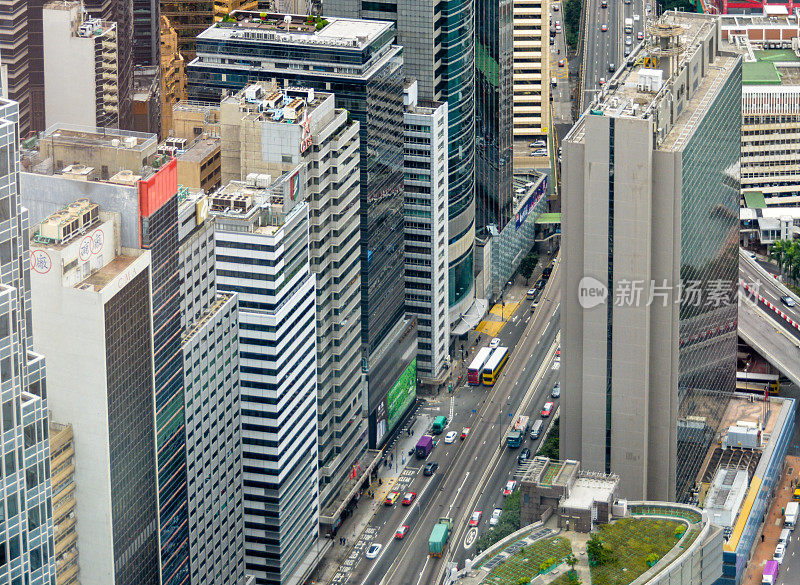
column 14, row 546
column 8, row 415
column 5, row 369
column 11, row 463
column 12, row 505
column 30, row 478
column 36, row 559
column 33, row 518
column 30, row 435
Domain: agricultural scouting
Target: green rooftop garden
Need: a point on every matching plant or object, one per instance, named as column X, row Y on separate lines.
column 536, row 558
column 632, row 545
column 618, row 553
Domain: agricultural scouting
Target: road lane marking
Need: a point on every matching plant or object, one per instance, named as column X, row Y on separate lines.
column 470, row 538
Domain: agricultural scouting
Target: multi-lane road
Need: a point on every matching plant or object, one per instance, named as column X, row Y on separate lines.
column 603, row 48
column 472, row 472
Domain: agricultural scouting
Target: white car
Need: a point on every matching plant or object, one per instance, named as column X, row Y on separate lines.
column 373, row 551
column 494, row 343
column 538, row 144
column 450, row 437
column 556, row 363
column 495, row 517
column 780, row 551
column 539, row 152
column 628, row 41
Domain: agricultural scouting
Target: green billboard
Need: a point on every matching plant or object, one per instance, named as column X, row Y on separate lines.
column 402, row 395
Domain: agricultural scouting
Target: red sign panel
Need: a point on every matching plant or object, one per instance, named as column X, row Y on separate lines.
column 157, row 190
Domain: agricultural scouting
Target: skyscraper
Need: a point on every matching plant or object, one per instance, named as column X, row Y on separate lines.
column 326, row 139
column 439, row 52
column 307, row 57
column 147, row 201
column 359, row 61
column 210, row 343
column 494, row 106
column 426, row 229
column 650, row 236
column 120, row 12
column 191, row 17
column 26, row 543
column 262, row 253
column 85, row 283
column 81, row 72
column 14, row 51
column 146, row 36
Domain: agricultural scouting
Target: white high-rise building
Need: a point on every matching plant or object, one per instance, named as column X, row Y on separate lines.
column 81, row 71
column 317, row 133
column 262, row 253
column 426, row 216
column 86, row 283
column 210, row 342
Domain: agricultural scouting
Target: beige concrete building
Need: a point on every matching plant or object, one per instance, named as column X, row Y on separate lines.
column 105, row 151
column 81, row 67
column 62, row 478
column 651, row 204
column 199, row 164
column 531, row 79
column 173, row 74
column 266, row 131
column 193, row 119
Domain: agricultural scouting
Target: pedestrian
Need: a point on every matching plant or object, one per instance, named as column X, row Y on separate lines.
column 762, row 537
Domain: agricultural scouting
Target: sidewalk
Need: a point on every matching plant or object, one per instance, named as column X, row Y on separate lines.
column 339, row 560
column 773, row 523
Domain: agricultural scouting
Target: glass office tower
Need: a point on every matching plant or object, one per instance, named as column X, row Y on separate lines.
column 438, row 40
column 26, row 527
column 494, row 30
column 358, row 61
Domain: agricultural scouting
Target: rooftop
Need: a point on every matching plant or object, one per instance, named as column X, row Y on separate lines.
column 300, row 29
column 588, row 489
column 756, row 20
column 642, row 88
column 646, row 540
column 772, row 67
column 200, row 150
column 100, row 278
column 265, row 102
column 98, row 137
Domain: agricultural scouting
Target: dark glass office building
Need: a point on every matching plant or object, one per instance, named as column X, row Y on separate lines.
column 146, row 32
column 438, row 41
column 158, row 207
column 494, row 36
column 358, row 61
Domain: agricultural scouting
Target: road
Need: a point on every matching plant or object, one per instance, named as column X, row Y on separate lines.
column 603, row 48
column 471, row 472
column 761, row 327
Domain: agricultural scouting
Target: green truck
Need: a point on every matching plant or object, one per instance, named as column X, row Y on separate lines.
column 439, row 423
column 517, row 433
column 439, row 535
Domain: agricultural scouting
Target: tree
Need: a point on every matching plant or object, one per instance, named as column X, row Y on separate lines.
column 528, row 265
column 572, row 22
column 598, row 553
column 571, row 560
column 777, row 252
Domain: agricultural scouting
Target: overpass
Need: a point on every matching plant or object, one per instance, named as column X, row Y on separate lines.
column 765, row 323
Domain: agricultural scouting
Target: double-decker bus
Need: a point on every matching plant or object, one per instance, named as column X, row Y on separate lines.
column 495, row 365
column 476, row 367
column 755, row 383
